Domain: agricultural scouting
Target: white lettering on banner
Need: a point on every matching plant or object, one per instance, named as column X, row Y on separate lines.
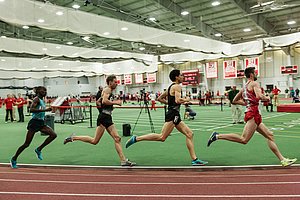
column 252, row 62
column 212, row 70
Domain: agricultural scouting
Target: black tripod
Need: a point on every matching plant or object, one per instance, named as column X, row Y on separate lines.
column 147, row 111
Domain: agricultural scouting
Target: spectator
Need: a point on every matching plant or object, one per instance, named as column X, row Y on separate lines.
column 286, row 92
column 236, row 111
column 189, row 113
column 20, row 104
column 153, row 98
column 275, row 92
column 9, row 101
column 268, row 103
column 98, row 95
column 297, row 92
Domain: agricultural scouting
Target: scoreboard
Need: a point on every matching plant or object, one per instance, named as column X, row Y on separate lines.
column 293, row 69
column 191, row 77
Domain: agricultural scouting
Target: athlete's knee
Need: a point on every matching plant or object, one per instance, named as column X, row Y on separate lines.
column 162, row 138
column 190, row 134
column 244, row 140
column 94, row 142
column 117, row 139
column 53, row 136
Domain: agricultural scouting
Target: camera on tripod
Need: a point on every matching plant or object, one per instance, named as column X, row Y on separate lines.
column 143, row 95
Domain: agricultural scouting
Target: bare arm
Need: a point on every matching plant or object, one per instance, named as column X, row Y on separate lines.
column 178, row 98
column 238, row 100
column 106, row 92
column 258, row 92
column 34, row 106
column 163, row 98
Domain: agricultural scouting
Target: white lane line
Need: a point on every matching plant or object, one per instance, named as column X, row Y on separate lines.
column 153, row 176
column 155, row 195
column 150, row 183
column 220, row 127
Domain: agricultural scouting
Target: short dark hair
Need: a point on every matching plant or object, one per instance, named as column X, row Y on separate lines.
column 38, row 89
column 248, row 71
column 173, row 74
column 110, row 78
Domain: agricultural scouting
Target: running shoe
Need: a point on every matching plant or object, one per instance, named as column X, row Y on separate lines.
column 131, row 141
column 288, row 162
column 13, row 164
column 212, row 138
column 199, row 162
column 38, row 154
column 127, row 163
column 69, row 139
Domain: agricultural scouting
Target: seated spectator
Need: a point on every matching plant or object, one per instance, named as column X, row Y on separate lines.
column 268, row 103
column 189, row 113
column 296, row 99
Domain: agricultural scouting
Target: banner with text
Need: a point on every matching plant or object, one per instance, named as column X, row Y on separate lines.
column 138, row 78
column 119, row 80
column 229, row 69
column 212, row 70
column 127, row 79
column 151, row 77
column 252, row 62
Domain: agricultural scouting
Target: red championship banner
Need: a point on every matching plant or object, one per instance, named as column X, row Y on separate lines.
column 139, row 78
column 252, row 62
column 151, row 77
column 119, row 80
column 127, row 79
column 229, row 69
column 212, row 70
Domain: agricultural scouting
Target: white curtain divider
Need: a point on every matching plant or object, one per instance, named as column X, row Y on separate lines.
column 283, row 40
column 40, row 48
column 26, row 12
column 246, row 49
column 128, row 67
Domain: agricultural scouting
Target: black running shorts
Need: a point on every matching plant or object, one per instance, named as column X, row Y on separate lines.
column 36, row 125
column 105, row 120
column 173, row 115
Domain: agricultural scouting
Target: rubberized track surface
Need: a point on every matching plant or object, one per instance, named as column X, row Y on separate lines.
column 75, row 184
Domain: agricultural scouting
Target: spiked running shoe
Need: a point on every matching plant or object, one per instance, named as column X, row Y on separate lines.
column 13, row 164
column 127, row 163
column 38, row 154
column 69, row 139
column 199, row 162
column 288, row 162
column 212, row 138
column 131, row 141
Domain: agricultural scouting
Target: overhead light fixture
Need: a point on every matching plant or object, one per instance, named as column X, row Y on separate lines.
column 158, row 46
column 25, row 27
column 58, row 47
column 106, row 33
column 3, row 36
column 76, row 6
column 77, row 61
column 46, row 66
column 69, row 43
column 218, row 34
column 268, row 48
column 59, row 13
column 45, row 49
column 152, row 19
column 60, row 64
column 247, row 30
column 86, row 38
column 291, row 22
column 186, row 40
column 142, row 48
column 215, row 3
column 184, row 13
column 3, row 60
column 2, row 0
column 124, row 28
column 41, row 20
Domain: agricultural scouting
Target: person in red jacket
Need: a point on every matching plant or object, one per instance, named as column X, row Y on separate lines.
column 9, row 101
column 20, row 101
column 275, row 92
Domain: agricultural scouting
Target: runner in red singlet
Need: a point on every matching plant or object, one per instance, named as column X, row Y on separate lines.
column 249, row 96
